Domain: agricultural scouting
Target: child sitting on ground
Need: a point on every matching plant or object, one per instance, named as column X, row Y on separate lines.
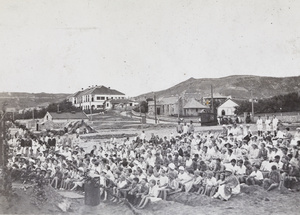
column 151, row 196
column 202, row 185
column 103, row 185
column 198, row 182
column 132, row 191
column 273, row 180
column 211, row 182
column 163, row 184
column 121, row 184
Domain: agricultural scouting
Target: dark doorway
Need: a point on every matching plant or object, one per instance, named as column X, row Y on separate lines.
column 158, row 110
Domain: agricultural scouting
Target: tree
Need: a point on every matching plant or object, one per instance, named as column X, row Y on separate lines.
column 244, row 106
column 64, row 106
column 143, row 107
column 281, row 103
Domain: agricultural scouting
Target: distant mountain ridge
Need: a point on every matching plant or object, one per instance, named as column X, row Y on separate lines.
column 237, row 86
column 21, row 100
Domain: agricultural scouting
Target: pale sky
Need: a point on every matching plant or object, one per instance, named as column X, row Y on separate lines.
column 139, row 46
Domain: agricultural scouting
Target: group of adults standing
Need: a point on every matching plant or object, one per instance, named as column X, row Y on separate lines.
column 270, row 125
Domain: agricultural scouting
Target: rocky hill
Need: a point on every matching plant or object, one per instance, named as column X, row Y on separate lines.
column 238, row 86
column 26, row 100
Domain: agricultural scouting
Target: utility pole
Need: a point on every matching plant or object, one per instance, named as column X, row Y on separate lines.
column 212, row 99
column 33, row 113
column 252, row 105
column 178, row 107
column 155, row 118
column 141, row 109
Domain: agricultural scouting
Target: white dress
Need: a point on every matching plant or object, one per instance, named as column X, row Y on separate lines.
column 259, row 124
column 153, row 194
column 231, row 187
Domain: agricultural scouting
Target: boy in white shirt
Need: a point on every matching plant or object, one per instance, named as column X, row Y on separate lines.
column 256, row 177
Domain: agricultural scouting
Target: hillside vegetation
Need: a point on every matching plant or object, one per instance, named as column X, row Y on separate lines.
column 238, row 86
column 21, row 100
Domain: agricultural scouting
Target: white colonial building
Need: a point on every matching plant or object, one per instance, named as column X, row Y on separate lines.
column 95, row 97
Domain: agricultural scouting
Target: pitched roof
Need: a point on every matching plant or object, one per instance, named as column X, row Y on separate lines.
column 194, row 104
column 102, row 90
column 237, row 102
column 76, row 94
column 165, row 101
column 97, row 90
column 68, row 115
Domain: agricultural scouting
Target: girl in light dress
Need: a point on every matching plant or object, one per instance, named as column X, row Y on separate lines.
column 210, row 183
column 230, row 186
column 152, row 195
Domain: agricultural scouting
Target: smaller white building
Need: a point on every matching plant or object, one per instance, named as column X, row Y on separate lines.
column 65, row 117
column 228, row 107
column 120, row 104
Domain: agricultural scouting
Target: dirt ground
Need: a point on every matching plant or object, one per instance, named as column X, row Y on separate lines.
column 252, row 200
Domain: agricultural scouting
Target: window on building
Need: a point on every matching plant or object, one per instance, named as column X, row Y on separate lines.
column 100, row 98
column 107, row 104
column 92, row 99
